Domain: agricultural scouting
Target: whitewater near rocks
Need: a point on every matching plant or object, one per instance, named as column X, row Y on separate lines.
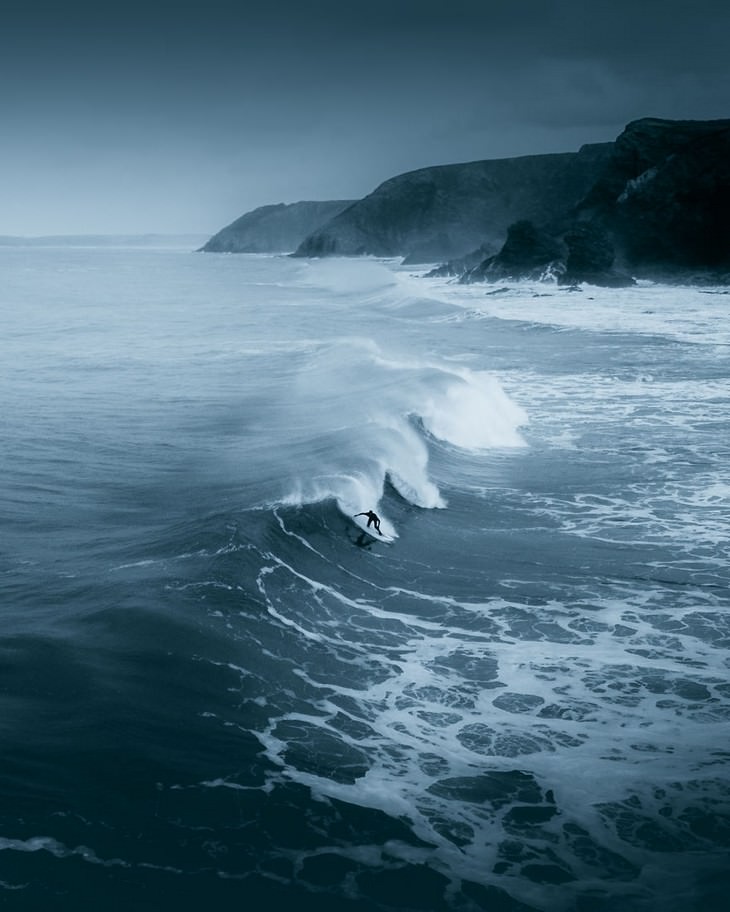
column 218, row 690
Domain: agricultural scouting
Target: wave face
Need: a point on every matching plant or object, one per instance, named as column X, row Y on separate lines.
column 218, row 689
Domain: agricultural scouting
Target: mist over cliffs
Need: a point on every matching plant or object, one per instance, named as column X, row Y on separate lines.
column 278, row 228
column 447, row 210
column 654, row 202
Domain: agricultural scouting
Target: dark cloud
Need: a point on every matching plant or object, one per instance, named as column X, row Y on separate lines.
column 180, row 116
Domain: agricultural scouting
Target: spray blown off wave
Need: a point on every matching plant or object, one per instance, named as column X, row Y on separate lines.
column 369, row 419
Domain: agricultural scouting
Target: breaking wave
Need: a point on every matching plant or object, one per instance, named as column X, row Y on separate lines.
column 372, row 418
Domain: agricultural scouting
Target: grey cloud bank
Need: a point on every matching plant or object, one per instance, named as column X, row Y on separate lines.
column 174, row 118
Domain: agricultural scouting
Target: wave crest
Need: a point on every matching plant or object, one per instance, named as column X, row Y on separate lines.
column 372, row 418
column 475, row 413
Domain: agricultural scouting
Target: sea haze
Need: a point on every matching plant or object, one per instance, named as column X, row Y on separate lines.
column 218, row 690
column 177, row 117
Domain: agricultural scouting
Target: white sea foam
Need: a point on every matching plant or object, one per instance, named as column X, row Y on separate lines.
column 365, row 401
column 532, row 680
column 687, row 314
column 337, row 275
column 475, row 413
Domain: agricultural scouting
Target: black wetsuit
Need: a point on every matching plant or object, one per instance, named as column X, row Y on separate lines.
column 373, row 519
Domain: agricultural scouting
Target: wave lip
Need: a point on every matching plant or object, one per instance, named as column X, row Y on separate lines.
column 363, row 434
column 475, row 413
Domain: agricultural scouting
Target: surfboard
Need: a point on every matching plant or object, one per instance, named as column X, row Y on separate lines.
column 362, row 523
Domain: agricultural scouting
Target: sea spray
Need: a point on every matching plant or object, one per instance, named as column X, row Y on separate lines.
column 474, row 412
column 370, row 418
column 523, row 704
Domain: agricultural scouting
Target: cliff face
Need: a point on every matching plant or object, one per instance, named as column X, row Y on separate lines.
column 659, row 207
column 274, row 229
column 655, row 201
column 448, row 210
column 664, row 195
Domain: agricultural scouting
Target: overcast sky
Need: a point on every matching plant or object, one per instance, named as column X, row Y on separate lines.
column 161, row 116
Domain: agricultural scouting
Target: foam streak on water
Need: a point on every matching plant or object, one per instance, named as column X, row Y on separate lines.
column 218, row 689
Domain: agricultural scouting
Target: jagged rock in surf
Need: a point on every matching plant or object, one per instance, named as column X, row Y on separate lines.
column 590, row 258
column 528, row 253
column 463, row 264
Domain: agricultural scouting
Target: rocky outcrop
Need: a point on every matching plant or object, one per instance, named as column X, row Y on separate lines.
column 590, row 258
column 274, row 229
column 527, row 253
column 446, row 211
column 583, row 254
column 462, row 265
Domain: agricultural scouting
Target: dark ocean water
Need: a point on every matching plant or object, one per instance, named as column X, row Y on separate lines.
column 215, row 690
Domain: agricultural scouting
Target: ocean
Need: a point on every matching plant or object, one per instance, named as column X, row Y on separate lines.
column 217, row 691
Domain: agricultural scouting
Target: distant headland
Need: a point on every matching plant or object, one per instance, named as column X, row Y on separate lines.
column 655, row 203
column 279, row 228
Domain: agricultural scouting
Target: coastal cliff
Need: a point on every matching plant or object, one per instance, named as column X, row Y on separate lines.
column 278, row 228
column 654, row 203
column 448, row 210
column 664, row 196
column 659, row 208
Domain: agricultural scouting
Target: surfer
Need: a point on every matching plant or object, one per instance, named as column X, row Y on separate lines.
column 373, row 519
